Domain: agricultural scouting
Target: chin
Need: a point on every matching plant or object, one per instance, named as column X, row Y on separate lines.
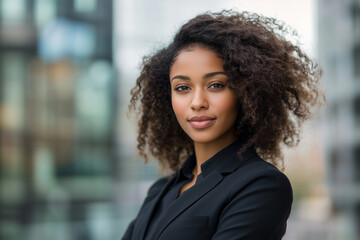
column 202, row 139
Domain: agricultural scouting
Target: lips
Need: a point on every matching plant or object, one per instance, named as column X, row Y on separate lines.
column 200, row 122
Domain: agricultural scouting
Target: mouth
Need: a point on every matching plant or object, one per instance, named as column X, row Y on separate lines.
column 200, row 122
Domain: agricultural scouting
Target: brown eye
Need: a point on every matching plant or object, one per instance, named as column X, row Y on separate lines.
column 181, row 88
column 216, row 85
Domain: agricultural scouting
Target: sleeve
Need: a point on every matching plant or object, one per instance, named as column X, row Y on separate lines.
column 259, row 211
column 129, row 231
column 153, row 190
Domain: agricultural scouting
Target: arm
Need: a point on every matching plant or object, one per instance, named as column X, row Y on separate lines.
column 129, row 231
column 258, row 211
column 153, row 190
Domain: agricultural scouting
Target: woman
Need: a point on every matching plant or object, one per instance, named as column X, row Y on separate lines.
column 215, row 104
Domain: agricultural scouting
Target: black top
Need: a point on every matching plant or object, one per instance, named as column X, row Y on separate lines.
column 231, row 199
column 185, row 175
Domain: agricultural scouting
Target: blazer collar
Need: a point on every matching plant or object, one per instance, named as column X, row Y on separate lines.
column 186, row 199
column 227, row 160
column 223, row 161
column 230, row 162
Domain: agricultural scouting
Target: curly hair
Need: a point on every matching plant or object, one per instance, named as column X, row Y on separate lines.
column 275, row 83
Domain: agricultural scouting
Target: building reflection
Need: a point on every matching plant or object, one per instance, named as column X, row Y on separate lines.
column 339, row 48
column 57, row 128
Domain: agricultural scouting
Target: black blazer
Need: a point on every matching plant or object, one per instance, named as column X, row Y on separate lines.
column 248, row 199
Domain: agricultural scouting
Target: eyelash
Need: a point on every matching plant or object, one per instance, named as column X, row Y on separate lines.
column 217, row 84
column 181, row 88
column 213, row 86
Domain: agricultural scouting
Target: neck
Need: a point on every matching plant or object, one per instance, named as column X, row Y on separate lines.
column 204, row 151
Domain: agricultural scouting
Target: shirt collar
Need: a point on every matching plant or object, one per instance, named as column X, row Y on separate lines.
column 188, row 166
column 215, row 162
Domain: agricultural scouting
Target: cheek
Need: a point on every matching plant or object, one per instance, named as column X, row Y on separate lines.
column 227, row 105
column 177, row 106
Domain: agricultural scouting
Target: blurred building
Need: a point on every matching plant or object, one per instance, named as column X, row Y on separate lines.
column 339, row 53
column 57, row 129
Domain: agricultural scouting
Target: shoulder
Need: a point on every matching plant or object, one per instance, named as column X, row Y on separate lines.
column 258, row 202
column 257, row 174
column 154, row 190
column 158, row 185
column 258, row 168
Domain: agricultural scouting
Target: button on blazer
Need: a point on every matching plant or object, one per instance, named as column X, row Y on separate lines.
column 241, row 199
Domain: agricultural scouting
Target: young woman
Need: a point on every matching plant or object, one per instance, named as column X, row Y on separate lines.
column 216, row 105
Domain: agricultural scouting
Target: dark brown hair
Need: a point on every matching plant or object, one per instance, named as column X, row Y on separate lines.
column 275, row 82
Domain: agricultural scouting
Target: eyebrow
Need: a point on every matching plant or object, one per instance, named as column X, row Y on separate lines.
column 206, row 76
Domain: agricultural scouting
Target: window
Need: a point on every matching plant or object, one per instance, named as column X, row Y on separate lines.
column 357, row 163
column 44, row 11
column 335, row 165
column 357, row 216
column 85, row 6
column 12, row 90
column 13, row 10
column 356, row 109
column 356, row 60
column 355, row 15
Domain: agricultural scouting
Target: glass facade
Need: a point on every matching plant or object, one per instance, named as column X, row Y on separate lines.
column 13, row 10
column 58, row 158
column 339, row 39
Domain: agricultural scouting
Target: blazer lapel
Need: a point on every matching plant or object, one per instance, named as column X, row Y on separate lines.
column 141, row 227
column 188, row 198
column 194, row 193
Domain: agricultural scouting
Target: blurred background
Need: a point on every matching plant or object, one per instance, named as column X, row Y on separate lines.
column 68, row 163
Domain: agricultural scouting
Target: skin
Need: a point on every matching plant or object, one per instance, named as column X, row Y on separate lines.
column 199, row 88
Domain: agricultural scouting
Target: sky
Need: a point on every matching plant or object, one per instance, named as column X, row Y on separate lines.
column 299, row 14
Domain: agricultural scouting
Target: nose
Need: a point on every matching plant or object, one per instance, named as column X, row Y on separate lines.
column 199, row 100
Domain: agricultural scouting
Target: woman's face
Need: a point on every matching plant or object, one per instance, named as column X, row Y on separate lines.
column 204, row 105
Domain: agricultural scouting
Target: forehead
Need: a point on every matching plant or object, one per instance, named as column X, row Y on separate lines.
column 196, row 59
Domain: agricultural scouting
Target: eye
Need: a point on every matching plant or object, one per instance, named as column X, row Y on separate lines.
column 216, row 85
column 181, row 88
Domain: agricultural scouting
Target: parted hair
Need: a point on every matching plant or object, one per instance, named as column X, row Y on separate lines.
column 275, row 82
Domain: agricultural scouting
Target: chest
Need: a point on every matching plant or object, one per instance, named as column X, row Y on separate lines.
column 187, row 185
column 189, row 217
column 198, row 221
